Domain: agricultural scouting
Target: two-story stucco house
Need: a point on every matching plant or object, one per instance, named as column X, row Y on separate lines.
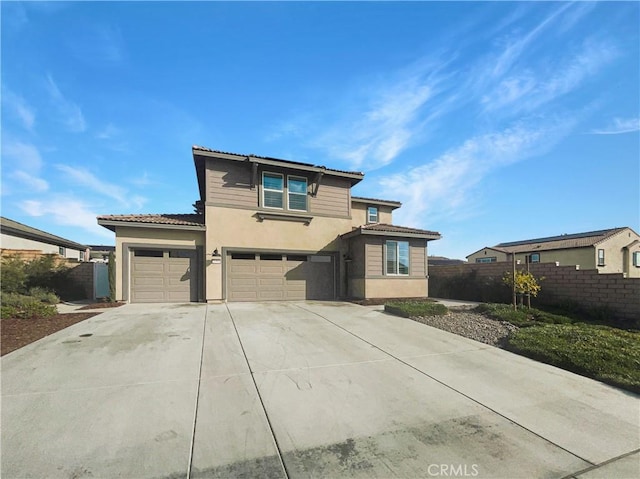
column 269, row 229
column 615, row 250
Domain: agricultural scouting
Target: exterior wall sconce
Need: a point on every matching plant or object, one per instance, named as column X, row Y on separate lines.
column 215, row 253
column 347, row 258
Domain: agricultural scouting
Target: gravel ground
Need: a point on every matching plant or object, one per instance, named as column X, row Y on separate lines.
column 470, row 325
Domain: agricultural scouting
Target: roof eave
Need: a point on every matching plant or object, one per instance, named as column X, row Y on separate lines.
column 371, row 201
column 52, row 239
column 394, row 234
column 112, row 224
column 354, row 177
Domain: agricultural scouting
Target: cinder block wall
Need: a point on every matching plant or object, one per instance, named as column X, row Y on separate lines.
column 83, row 273
column 561, row 283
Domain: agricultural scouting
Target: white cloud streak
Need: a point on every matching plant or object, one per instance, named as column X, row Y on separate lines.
column 24, row 155
column 84, row 178
column 69, row 112
column 619, row 126
column 66, row 211
column 32, row 183
column 441, row 187
column 19, row 108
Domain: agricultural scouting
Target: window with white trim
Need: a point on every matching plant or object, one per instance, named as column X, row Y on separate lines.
column 534, row 258
column 272, row 190
column 397, row 260
column 297, row 193
column 372, row 214
column 636, row 258
column 600, row 257
column 487, row 259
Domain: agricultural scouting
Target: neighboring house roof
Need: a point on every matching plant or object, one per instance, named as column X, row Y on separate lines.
column 442, row 260
column 375, row 201
column 566, row 241
column 13, row 228
column 175, row 221
column 96, row 248
column 383, row 229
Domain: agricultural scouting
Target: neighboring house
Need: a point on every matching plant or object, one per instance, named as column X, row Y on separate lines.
column 443, row 261
column 100, row 253
column 20, row 239
column 269, row 229
column 614, row 250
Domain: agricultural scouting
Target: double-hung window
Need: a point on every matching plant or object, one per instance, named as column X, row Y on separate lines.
column 297, row 192
column 372, row 214
column 272, row 190
column 397, row 258
column 600, row 257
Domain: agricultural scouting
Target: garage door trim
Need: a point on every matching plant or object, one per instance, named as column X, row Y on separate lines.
column 227, row 251
column 128, row 249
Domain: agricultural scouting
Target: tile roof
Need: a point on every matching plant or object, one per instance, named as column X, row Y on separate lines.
column 392, row 230
column 577, row 240
column 162, row 219
column 363, row 199
column 310, row 165
column 387, row 228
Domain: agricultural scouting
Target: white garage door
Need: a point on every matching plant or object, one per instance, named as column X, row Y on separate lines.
column 163, row 276
column 264, row 277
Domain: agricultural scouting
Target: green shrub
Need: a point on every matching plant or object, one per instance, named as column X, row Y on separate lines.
column 12, row 275
column 601, row 352
column 44, row 295
column 25, row 307
column 415, row 308
column 521, row 317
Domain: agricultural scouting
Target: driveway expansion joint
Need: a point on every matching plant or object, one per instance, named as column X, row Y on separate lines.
column 450, row 387
column 575, row 475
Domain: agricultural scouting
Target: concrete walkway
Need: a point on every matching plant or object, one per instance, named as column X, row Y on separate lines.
column 309, row 389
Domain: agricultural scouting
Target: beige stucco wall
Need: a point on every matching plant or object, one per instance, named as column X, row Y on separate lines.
column 13, row 242
column 240, row 228
column 149, row 236
column 615, row 257
column 487, row 253
column 359, row 214
column 566, row 257
column 357, row 288
column 390, row 287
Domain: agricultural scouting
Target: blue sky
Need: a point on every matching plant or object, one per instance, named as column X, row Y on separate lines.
column 491, row 121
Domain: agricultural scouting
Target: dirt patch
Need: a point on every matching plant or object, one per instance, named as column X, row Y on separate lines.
column 101, row 305
column 16, row 333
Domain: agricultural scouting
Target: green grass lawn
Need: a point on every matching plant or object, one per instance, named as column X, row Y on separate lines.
column 415, row 308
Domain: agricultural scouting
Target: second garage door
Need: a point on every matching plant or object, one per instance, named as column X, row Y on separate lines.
column 265, row 277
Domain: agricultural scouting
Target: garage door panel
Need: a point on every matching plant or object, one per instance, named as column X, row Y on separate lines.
column 275, row 278
column 164, row 276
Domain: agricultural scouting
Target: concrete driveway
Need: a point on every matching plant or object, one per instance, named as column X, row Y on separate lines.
column 307, row 389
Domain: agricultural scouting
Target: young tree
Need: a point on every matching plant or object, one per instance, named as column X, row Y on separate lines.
column 524, row 283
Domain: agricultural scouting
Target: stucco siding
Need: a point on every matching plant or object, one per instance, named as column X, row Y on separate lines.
column 487, row 253
column 240, row 228
column 359, row 214
column 14, row 242
column 616, row 258
column 148, row 236
column 396, row 288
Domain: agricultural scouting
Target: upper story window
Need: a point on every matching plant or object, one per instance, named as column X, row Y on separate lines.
column 272, row 190
column 372, row 214
column 397, row 258
column 600, row 257
column 297, row 192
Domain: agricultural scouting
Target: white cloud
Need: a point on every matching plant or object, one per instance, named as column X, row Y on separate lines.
column 442, row 187
column 33, row 183
column 70, row 112
column 86, row 179
column 108, row 132
column 19, row 108
column 619, row 126
column 66, row 211
column 24, row 155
